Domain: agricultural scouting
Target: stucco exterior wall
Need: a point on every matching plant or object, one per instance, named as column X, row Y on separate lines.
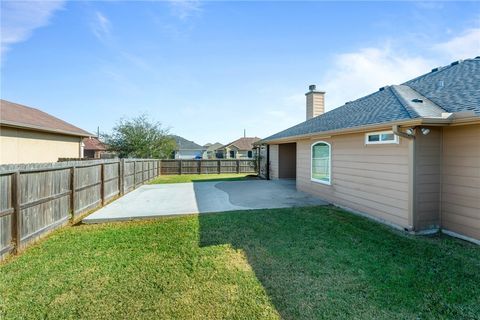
column 372, row 179
column 461, row 180
column 25, row 146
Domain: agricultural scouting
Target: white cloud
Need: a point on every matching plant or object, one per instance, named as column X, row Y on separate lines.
column 101, row 26
column 184, row 9
column 359, row 73
column 466, row 45
column 20, row 18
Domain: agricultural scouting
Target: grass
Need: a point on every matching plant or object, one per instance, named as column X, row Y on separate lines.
column 300, row 263
column 200, row 178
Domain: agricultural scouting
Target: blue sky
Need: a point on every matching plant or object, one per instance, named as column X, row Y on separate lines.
column 208, row 70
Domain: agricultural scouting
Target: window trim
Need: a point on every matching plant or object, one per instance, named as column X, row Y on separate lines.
column 329, row 182
column 395, row 141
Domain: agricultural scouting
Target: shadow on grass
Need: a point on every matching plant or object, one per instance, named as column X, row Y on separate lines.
column 321, row 262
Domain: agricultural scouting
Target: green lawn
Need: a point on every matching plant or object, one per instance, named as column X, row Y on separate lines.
column 201, row 178
column 301, row 263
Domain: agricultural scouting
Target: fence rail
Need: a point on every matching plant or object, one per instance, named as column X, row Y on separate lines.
column 169, row 167
column 37, row 198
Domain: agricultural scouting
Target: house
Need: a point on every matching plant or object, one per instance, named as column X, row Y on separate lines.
column 93, row 148
column 407, row 155
column 242, row 148
column 187, row 149
column 211, row 150
column 29, row 135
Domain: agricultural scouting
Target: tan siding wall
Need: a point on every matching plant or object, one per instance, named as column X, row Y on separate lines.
column 274, row 161
column 372, row 179
column 428, row 155
column 23, row 146
column 461, row 180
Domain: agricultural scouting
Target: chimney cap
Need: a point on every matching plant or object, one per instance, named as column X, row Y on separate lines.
column 313, row 88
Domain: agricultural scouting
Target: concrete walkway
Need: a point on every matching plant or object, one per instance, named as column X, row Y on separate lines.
column 150, row 201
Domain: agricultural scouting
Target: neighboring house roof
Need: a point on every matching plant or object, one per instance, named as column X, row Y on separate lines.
column 245, row 143
column 207, row 145
column 215, row 146
column 184, row 144
column 94, row 144
column 20, row 116
column 449, row 89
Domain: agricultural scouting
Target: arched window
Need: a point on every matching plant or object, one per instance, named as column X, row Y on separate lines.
column 321, row 162
column 250, row 154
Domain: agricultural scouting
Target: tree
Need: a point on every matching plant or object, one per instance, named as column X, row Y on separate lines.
column 140, row 137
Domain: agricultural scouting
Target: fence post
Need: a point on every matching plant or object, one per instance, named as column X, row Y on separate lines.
column 238, row 166
column 17, row 219
column 180, row 169
column 134, row 173
column 219, row 163
column 73, row 185
column 159, row 163
column 199, row 169
column 102, row 183
column 143, row 171
column 120, row 176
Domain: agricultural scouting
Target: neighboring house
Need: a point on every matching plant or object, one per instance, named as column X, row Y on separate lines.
column 407, row 155
column 211, row 151
column 242, row 148
column 28, row 135
column 93, row 148
column 186, row 149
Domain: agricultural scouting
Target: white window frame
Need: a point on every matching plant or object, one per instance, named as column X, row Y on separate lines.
column 396, row 140
column 329, row 182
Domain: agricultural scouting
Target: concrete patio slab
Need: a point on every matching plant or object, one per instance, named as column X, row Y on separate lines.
column 159, row 200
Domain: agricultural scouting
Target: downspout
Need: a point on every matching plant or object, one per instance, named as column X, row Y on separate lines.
column 411, row 176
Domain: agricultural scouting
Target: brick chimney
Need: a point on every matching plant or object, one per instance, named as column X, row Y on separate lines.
column 315, row 102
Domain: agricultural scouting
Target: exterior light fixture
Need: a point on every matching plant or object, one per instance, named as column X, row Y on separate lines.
column 425, row 131
column 410, row 131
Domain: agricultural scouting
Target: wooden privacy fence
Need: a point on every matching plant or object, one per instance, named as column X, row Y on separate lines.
column 37, row 198
column 207, row 166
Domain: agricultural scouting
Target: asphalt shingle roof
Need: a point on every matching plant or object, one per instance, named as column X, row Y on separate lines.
column 245, row 143
column 452, row 88
column 21, row 116
column 184, row 144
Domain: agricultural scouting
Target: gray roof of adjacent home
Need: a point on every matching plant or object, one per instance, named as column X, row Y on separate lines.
column 453, row 88
column 184, row 144
column 215, row 146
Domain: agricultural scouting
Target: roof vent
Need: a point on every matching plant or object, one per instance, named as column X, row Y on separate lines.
column 312, row 87
column 455, row 63
column 477, row 57
column 381, row 89
column 417, row 100
column 435, row 69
